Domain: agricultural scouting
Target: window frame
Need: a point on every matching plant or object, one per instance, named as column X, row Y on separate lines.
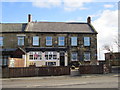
column 88, row 54
column 49, row 41
column 38, row 43
column 51, row 63
column 87, row 41
column 76, row 41
column 51, row 54
column 1, row 41
column 39, row 57
column 60, row 40
column 23, row 40
column 75, row 56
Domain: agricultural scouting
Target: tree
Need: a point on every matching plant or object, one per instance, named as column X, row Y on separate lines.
column 108, row 48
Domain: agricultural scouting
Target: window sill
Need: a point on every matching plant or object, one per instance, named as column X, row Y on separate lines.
column 44, row 60
column 48, row 45
column 36, row 45
column 74, row 60
column 21, row 45
column 87, row 60
column 35, row 60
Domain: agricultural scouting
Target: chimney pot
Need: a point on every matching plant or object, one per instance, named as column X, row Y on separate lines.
column 89, row 20
column 29, row 18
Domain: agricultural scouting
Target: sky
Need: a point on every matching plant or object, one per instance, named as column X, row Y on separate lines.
column 104, row 15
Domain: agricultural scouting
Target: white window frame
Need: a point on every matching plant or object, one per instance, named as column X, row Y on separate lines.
column 47, row 64
column 50, row 55
column 39, row 57
column 22, row 38
column 88, row 55
column 33, row 42
column 72, row 41
column 72, row 56
column 86, row 41
column 1, row 41
column 59, row 41
column 48, row 41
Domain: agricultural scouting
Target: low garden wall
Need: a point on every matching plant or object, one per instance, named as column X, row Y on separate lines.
column 34, row 71
column 94, row 69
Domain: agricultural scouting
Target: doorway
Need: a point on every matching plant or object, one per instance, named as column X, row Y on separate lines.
column 62, row 59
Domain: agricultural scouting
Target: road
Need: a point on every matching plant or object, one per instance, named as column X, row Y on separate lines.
column 86, row 81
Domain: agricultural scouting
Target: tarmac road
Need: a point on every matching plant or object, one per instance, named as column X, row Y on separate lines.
column 85, row 81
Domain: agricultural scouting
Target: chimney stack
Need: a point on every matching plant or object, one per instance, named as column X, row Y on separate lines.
column 89, row 20
column 29, row 18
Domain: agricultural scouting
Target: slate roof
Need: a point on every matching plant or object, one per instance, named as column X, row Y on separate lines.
column 12, row 27
column 49, row 27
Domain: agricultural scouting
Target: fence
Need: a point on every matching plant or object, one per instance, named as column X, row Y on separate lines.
column 34, row 71
column 91, row 69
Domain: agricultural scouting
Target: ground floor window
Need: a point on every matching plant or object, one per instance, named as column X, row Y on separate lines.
column 3, row 60
column 74, row 56
column 35, row 55
column 50, row 63
column 50, row 55
column 86, row 56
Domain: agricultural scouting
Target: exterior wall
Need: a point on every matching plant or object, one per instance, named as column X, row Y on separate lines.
column 10, row 41
column 113, row 58
column 16, row 62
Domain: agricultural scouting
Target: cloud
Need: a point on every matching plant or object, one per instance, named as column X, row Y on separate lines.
column 107, row 27
column 108, row 6
column 68, row 5
column 46, row 3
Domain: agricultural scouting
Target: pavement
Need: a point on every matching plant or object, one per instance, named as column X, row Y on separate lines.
column 82, row 81
column 66, row 81
column 63, row 76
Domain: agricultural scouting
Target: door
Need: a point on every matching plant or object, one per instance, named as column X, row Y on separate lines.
column 62, row 59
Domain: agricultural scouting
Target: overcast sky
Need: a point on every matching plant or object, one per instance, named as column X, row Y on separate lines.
column 104, row 15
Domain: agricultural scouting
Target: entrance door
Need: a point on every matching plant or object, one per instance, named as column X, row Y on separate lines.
column 62, row 59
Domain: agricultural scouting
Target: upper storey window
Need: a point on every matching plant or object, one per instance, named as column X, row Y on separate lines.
column 73, row 41
column 35, row 40
column 21, row 40
column 49, row 41
column 61, row 41
column 86, row 41
column 1, row 41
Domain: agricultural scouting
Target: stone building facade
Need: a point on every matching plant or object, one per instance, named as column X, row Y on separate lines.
column 49, row 43
column 113, row 58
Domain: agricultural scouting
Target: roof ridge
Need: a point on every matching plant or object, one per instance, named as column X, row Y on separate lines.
column 63, row 22
column 13, row 23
